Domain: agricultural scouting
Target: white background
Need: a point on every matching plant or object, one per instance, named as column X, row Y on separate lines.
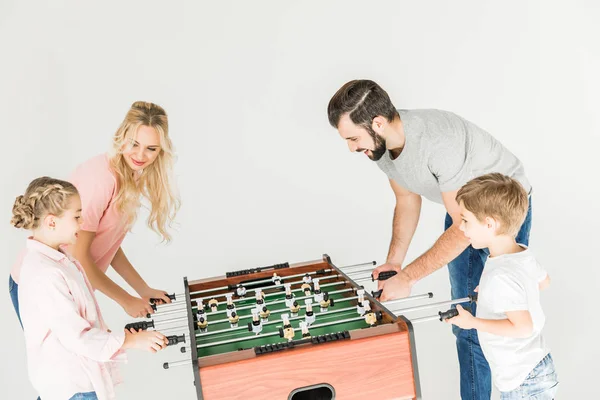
column 263, row 177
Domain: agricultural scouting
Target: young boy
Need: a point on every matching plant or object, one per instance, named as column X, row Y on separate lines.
column 509, row 317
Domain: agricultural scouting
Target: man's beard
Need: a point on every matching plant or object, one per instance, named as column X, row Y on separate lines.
column 379, row 145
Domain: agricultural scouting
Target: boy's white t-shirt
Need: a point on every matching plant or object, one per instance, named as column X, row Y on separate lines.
column 510, row 283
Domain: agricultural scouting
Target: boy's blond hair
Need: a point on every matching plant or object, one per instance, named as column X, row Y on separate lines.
column 497, row 196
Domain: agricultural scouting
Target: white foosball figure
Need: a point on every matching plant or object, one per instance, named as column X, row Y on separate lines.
column 256, row 324
column 240, row 290
column 304, row 329
column 361, row 298
column 276, row 278
column 306, row 278
column 317, row 291
column 260, row 298
column 230, row 305
column 310, row 315
column 289, row 296
column 200, row 310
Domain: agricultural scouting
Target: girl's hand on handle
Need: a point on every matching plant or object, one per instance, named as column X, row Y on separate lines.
column 150, row 341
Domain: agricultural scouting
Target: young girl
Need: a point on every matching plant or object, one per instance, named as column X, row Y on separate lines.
column 71, row 354
column 111, row 187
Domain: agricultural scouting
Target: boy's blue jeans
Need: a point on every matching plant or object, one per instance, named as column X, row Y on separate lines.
column 540, row 384
column 465, row 272
column 85, row 396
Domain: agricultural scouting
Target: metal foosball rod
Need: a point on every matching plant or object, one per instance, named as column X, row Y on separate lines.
column 368, row 266
column 441, row 316
column 470, row 298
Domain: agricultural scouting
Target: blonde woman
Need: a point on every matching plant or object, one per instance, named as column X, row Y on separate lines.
column 111, row 187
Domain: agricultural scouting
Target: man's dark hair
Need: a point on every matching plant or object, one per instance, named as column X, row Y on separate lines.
column 363, row 100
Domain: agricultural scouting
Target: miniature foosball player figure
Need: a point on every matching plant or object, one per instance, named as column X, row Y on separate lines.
column 256, row 324
column 289, row 296
column 307, row 278
column 326, row 302
column 287, row 331
column 276, row 279
column 260, row 297
column 360, row 308
column 213, row 304
column 310, row 315
column 306, row 288
column 230, row 305
column 318, row 295
column 264, row 313
column 234, row 319
column 240, row 290
column 294, row 308
column 304, row 329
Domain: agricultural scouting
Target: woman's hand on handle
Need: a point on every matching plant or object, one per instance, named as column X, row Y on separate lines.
column 151, row 293
column 136, row 307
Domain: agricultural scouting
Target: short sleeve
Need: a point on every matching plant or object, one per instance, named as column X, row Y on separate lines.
column 508, row 294
column 96, row 186
column 448, row 160
column 540, row 272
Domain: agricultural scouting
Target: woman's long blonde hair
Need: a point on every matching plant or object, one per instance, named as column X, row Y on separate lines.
column 155, row 181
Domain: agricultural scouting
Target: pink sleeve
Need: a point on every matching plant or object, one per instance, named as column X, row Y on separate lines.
column 96, row 187
column 61, row 315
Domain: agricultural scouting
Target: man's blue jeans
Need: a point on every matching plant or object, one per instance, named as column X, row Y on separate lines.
column 465, row 271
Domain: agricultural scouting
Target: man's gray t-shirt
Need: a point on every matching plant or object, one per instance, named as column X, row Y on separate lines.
column 443, row 151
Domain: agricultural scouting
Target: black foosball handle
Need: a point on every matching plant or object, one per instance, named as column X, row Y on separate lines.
column 141, row 325
column 161, row 301
column 174, row 339
column 451, row 313
column 384, row 275
column 377, row 293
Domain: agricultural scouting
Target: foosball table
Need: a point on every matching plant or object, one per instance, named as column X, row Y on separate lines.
column 294, row 331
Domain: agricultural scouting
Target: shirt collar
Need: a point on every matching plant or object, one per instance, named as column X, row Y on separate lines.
column 57, row 255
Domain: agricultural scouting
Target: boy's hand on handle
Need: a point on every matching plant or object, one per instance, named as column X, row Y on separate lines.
column 150, row 341
column 156, row 294
column 464, row 319
column 137, row 308
column 382, row 268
